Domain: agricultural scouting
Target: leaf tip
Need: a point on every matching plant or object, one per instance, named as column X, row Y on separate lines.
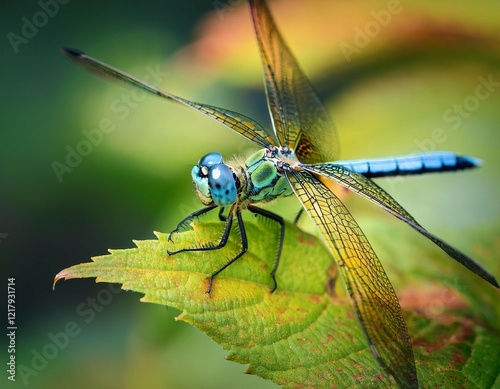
column 63, row 274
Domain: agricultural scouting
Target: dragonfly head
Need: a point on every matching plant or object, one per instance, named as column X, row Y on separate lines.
column 214, row 181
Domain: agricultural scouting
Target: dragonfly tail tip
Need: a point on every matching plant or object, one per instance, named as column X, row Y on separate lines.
column 472, row 161
column 72, row 53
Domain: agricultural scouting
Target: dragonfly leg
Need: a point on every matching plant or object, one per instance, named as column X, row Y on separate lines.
column 244, row 244
column 222, row 242
column 189, row 219
column 278, row 219
column 222, row 218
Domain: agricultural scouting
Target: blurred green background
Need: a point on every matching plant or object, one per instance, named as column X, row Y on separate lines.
column 397, row 79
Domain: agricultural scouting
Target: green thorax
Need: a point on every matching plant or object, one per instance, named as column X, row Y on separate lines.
column 261, row 181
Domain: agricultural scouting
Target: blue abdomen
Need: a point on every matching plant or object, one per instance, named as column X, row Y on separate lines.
column 438, row 161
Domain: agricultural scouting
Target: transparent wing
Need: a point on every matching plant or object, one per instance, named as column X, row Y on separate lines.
column 371, row 292
column 403, row 165
column 300, row 120
column 371, row 191
column 242, row 124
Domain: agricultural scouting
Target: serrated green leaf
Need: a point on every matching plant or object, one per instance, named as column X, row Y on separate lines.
column 305, row 334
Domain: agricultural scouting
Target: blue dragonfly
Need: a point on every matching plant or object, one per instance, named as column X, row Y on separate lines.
column 293, row 159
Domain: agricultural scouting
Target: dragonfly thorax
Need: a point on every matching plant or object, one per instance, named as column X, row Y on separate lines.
column 265, row 179
column 259, row 179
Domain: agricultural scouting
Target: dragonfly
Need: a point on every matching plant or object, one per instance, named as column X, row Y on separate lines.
column 295, row 158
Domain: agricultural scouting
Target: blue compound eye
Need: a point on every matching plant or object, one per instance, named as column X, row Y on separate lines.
column 222, row 184
column 210, row 159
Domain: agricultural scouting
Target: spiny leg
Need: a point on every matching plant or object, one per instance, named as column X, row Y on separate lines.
column 222, row 218
column 278, row 219
column 190, row 218
column 244, row 244
column 222, row 242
